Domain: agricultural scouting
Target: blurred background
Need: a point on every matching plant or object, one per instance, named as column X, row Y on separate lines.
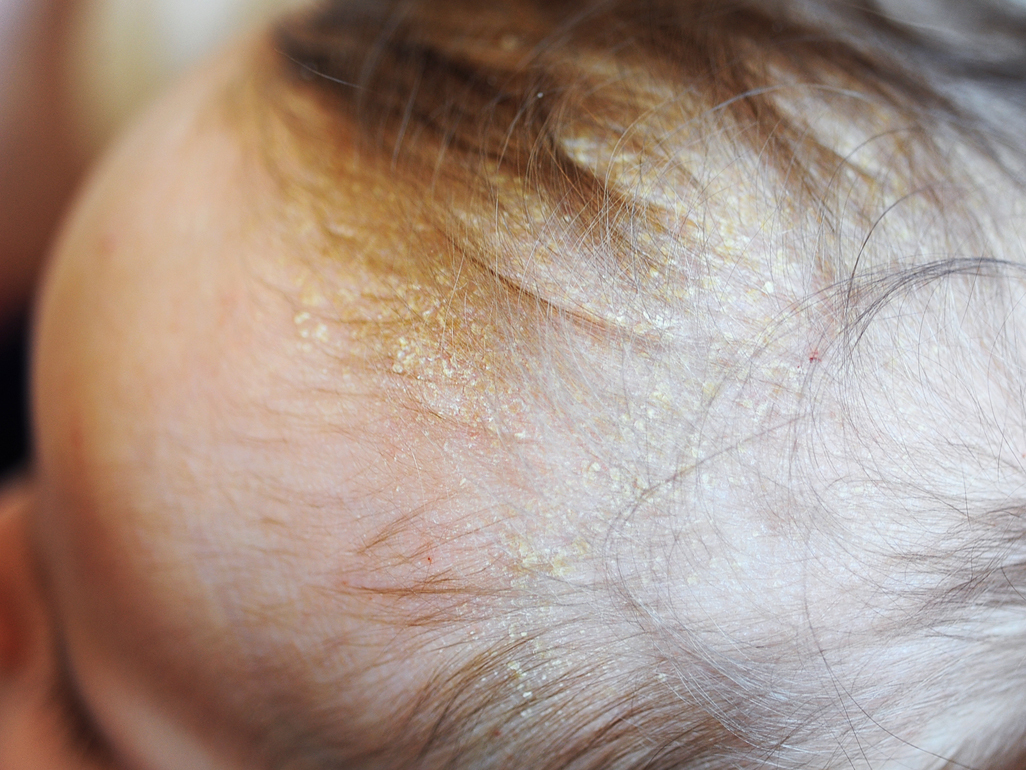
column 72, row 74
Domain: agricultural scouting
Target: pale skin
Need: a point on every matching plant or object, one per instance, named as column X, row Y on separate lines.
column 166, row 365
column 195, row 542
column 212, row 481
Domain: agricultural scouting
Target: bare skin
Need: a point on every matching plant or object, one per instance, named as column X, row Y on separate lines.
column 213, row 481
column 166, row 365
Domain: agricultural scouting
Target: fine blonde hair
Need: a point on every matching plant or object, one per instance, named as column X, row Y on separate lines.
column 714, row 306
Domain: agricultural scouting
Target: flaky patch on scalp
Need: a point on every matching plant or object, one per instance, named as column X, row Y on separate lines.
column 675, row 294
column 654, row 168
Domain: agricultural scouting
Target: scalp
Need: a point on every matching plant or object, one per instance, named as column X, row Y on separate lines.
column 693, row 301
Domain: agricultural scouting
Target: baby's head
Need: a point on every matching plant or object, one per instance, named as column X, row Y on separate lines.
column 562, row 385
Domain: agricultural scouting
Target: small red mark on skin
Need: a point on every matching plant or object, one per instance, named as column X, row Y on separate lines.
column 229, row 303
column 432, row 561
column 814, row 357
column 108, row 245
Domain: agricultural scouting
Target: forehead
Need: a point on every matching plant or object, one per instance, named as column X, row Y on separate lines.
column 207, row 471
column 150, row 317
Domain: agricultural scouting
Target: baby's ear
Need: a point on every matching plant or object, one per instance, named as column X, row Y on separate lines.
column 25, row 636
column 16, row 580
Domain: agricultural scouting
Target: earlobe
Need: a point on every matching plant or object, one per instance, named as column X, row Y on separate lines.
column 24, row 628
column 18, row 596
column 33, row 730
